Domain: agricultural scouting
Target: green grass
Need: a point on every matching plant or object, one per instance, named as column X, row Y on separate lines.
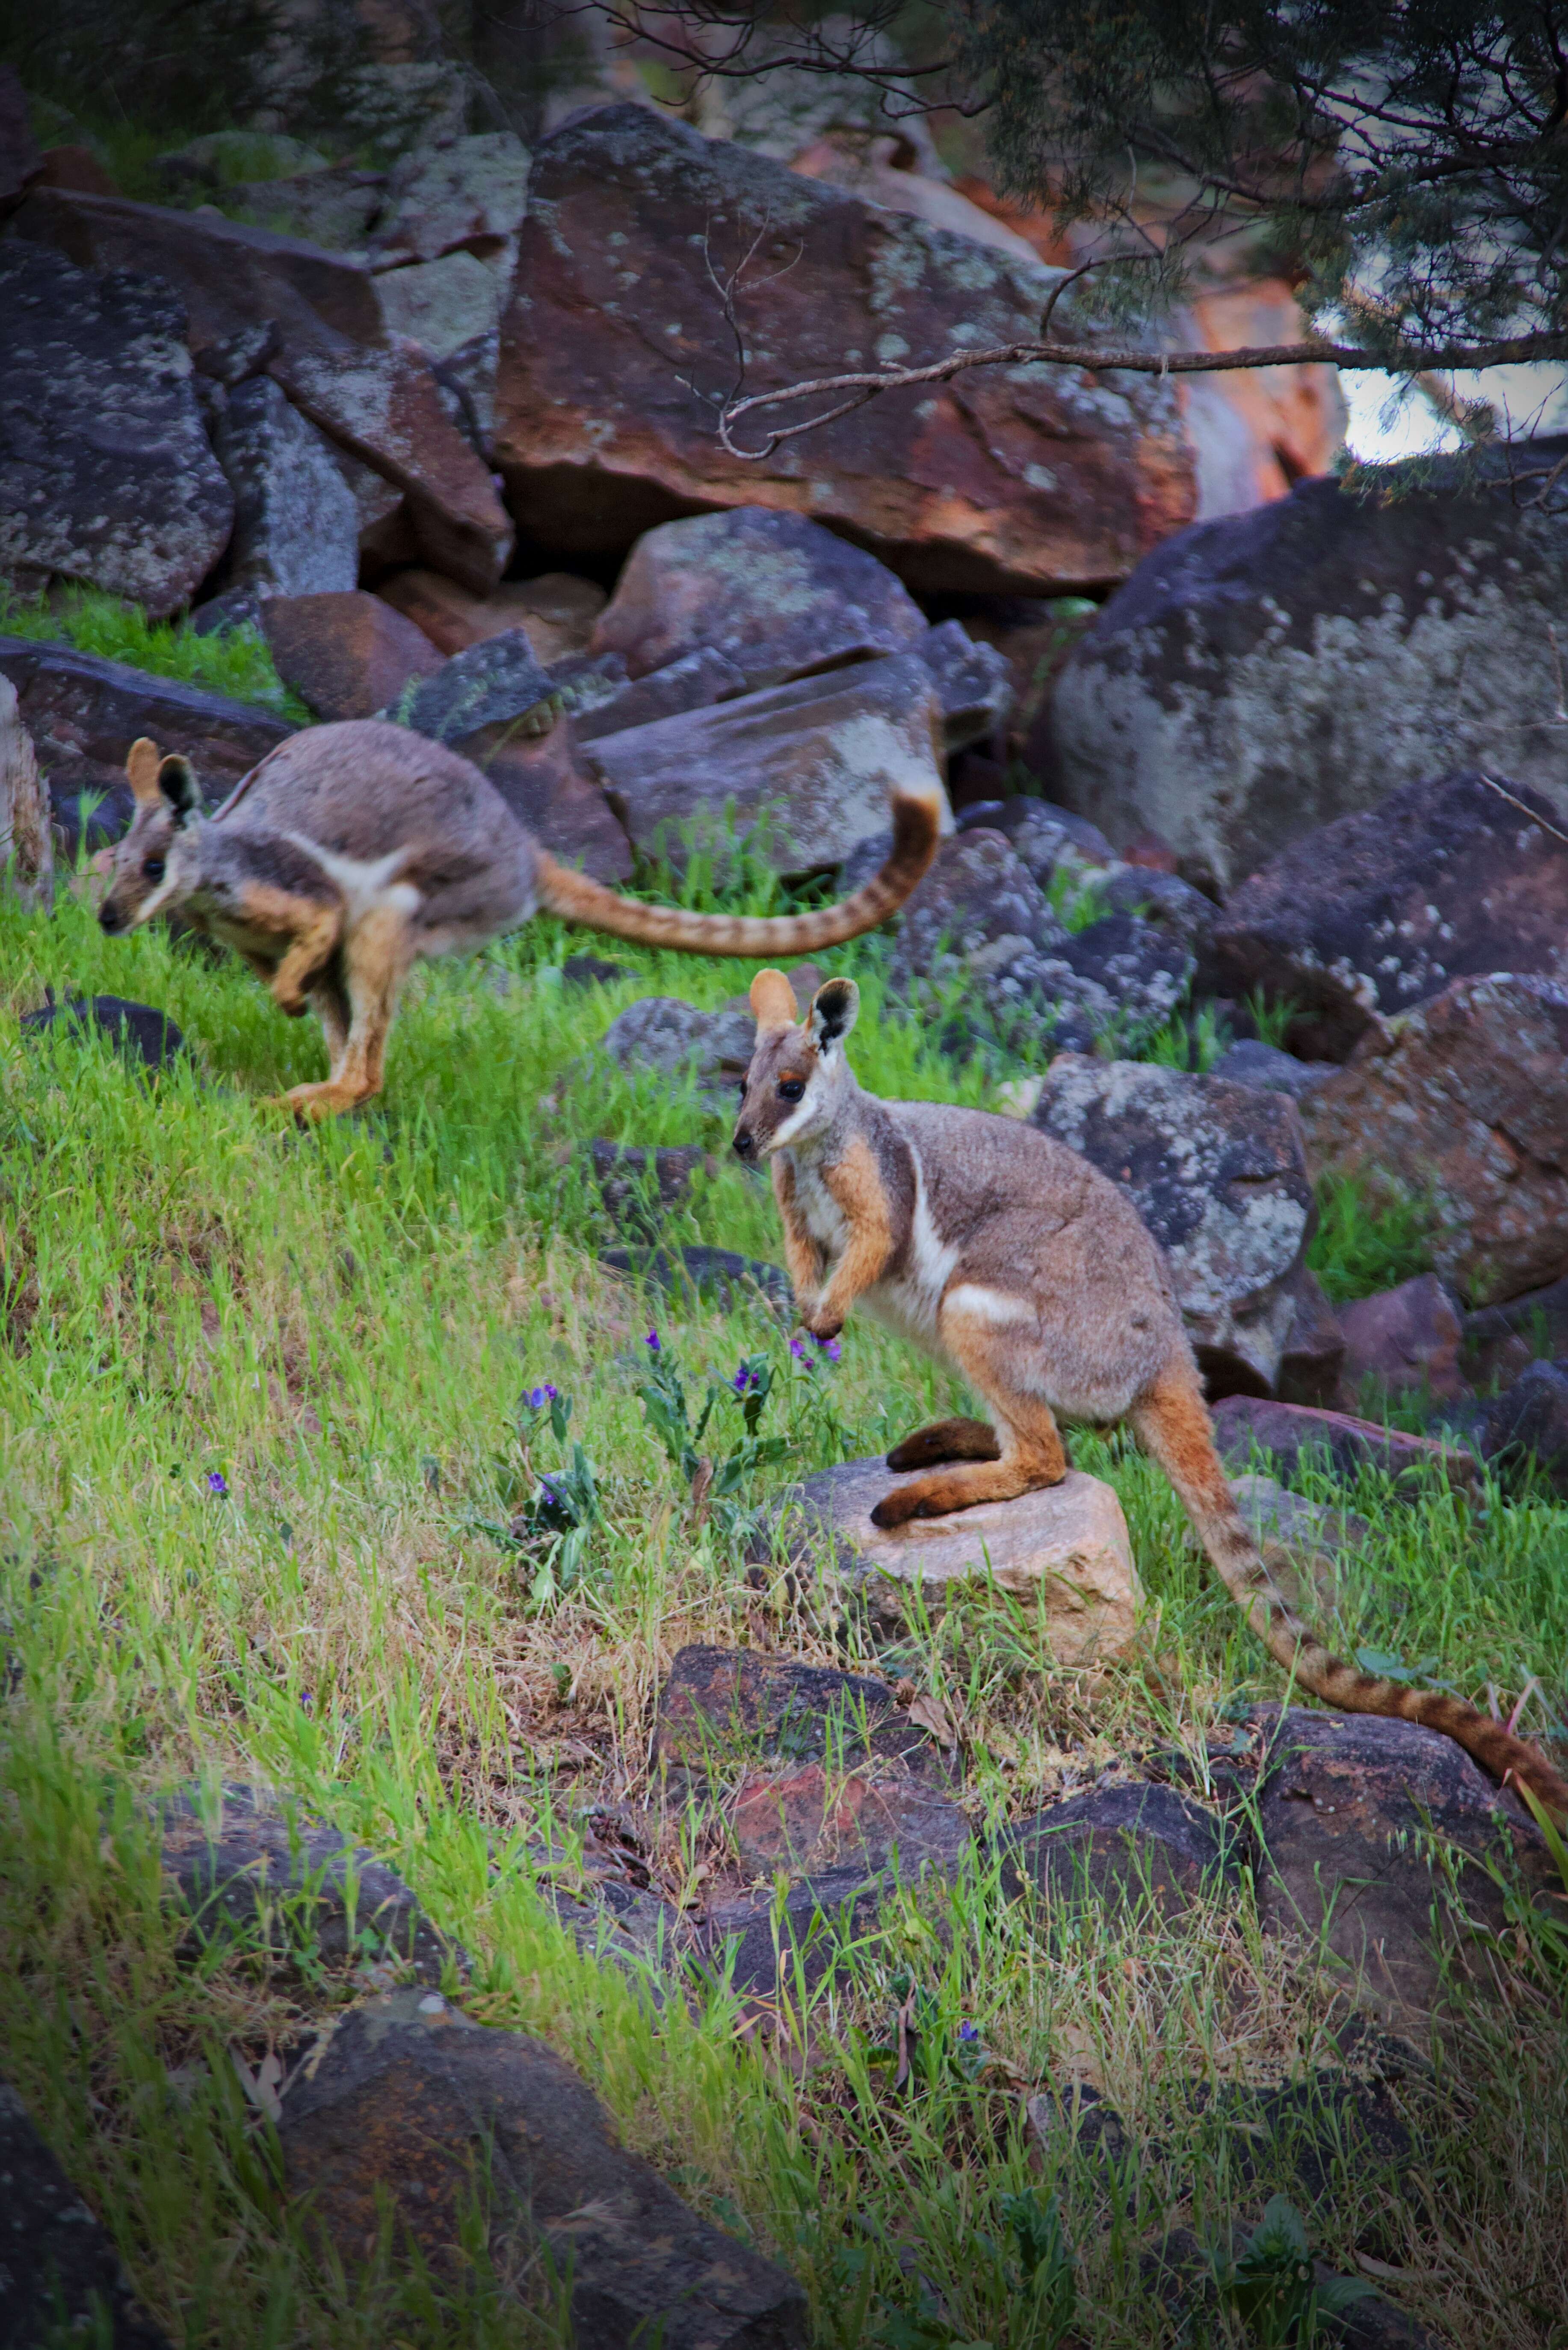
column 340, row 1323
column 1361, row 1247
column 233, row 661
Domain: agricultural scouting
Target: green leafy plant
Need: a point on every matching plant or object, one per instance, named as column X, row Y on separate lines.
column 1365, row 1243
column 232, row 661
column 552, row 1528
column 714, row 1481
column 1273, row 2287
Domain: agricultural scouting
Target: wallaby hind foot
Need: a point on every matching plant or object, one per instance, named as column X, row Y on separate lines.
column 946, row 1440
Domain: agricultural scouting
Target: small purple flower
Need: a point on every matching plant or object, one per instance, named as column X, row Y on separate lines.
column 307, row 1700
column 968, row 2032
column 548, row 1492
column 216, row 1481
column 745, row 1378
column 651, row 1342
column 831, row 1348
column 797, row 1348
column 538, row 1398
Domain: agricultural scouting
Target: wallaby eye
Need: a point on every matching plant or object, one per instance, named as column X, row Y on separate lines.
column 153, row 868
column 790, row 1089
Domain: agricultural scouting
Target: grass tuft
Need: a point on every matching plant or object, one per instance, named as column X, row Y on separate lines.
column 233, row 661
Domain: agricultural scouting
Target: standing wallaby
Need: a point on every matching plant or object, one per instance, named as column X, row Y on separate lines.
column 1015, row 1262
column 352, row 849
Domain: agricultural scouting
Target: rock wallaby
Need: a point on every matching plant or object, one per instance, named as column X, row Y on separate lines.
column 1018, row 1265
column 353, row 850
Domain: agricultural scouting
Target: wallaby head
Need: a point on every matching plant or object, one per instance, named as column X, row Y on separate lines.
column 157, row 860
column 799, row 1075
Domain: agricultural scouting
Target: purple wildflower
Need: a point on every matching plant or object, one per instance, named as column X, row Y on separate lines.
column 797, row 1348
column 968, row 2032
column 745, row 1378
column 651, row 1342
column 831, row 1348
column 538, row 1398
column 307, row 1700
column 216, row 1481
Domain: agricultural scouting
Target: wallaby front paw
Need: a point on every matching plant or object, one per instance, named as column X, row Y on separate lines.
column 292, row 1007
column 823, row 1327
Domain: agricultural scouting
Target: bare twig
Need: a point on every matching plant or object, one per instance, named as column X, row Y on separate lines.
column 1503, row 794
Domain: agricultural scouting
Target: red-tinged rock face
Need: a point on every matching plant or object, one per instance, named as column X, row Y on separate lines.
column 615, row 352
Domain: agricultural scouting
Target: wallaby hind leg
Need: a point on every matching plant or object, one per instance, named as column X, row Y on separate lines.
column 1030, row 1452
column 376, row 959
column 329, row 998
column 946, row 1440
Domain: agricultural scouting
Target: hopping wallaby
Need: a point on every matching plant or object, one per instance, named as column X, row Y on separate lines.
column 352, row 849
column 1018, row 1265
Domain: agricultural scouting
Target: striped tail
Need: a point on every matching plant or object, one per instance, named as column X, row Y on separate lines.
column 917, row 823
column 1173, row 1425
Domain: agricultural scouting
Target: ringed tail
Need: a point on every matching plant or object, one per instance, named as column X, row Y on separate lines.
column 916, row 822
column 1173, row 1426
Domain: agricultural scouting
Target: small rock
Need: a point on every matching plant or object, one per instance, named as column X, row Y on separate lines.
column 1218, row 1173
column 1379, row 910
column 593, row 971
column 297, row 527
column 1250, row 1063
column 1463, row 1104
column 405, row 2104
column 695, row 681
column 814, row 1820
column 1314, row 1345
column 1046, row 838
column 1529, row 1424
column 1343, row 1809
column 63, row 2278
column 106, row 473
column 769, row 1950
column 1296, row 1437
column 346, row 654
column 141, row 1033
column 1165, row 903
column 333, row 208
column 971, row 681
column 1065, row 1550
column 496, row 682
column 1500, row 1341
column 661, row 1036
column 641, row 1189
column 807, row 767
column 1120, row 1846
column 779, row 597
column 705, row 1276
column 720, row 1706
column 1405, row 1341
column 555, row 612
column 236, row 1864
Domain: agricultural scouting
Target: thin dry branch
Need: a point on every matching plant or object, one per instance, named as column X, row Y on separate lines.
column 853, row 391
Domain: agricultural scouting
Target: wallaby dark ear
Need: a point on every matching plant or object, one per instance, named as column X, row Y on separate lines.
column 177, row 782
column 834, row 1010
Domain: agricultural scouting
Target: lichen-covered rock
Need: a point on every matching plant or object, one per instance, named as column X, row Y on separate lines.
column 1262, row 674
column 777, row 594
column 472, row 194
column 1218, row 1172
column 1252, row 1063
column 106, row 474
column 1500, row 1341
column 1527, row 1427
column 495, row 682
column 296, row 526
column 661, row 1036
column 1379, row 910
column 1021, row 478
column 1464, row 1103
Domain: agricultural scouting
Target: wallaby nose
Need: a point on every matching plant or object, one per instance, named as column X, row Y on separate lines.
column 109, row 918
column 745, row 1142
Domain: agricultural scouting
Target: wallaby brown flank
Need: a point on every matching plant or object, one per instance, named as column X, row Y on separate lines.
column 353, row 850
column 1017, row 1263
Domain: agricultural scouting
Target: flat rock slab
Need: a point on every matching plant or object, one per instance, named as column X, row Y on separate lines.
column 1219, row 1174
column 1123, row 1845
column 247, row 1866
column 704, row 1276
column 1024, row 479
column 139, row 1032
column 1296, row 1437
column 344, row 652
column 1344, row 1805
column 1065, row 1550
column 410, row 2098
column 1463, row 1102
column 1379, row 910
column 720, row 1706
column 817, row 1818
column 808, row 768
column 105, row 473
column 57, row 2268
column 296, row 525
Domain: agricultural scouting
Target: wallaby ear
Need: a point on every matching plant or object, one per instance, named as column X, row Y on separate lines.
column 141, row 771
column 772, row 1001
column 177, row 783
column 834, row 1009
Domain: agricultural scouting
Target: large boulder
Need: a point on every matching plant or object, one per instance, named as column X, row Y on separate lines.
column 1064, row 1552
column 808, row 767
column 777, row 594
column 1404, row 1341
column 106, row 474
column 406, row 2100
column 296, row 525
column 469, row 193
column 1297, row 1438
column 84, row 714
column 1464, row 1105
column 615, row 348
column 1380, row 910
column 1264, row 673
column 346, row 653
column 1218, row 1173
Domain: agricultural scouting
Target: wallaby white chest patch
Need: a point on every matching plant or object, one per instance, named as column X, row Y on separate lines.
column 819, row 1211
column 365, row 884
column 1000, row 1309
column 909, row 1302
